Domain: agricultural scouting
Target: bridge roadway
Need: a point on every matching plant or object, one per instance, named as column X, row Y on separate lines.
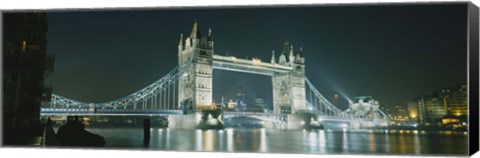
column 227, row 114
column 108, row 112
column 254, row 66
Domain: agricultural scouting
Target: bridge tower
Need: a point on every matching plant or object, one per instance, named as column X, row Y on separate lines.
column 195, row 85
column 289, row 88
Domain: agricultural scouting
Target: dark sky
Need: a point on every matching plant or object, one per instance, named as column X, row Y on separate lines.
column 394, row 53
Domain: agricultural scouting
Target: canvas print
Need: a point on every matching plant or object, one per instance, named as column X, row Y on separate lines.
column 312, row 79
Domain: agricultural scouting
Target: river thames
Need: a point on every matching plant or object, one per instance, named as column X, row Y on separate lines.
column 261, row 140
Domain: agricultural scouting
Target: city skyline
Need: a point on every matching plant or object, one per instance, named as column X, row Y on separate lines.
column 393, row 53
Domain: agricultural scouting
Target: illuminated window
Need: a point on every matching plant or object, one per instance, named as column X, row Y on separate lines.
column 24, row 45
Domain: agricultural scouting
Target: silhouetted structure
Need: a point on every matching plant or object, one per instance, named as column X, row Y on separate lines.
column 73, row 133
column 146, row 131
column 26, row 64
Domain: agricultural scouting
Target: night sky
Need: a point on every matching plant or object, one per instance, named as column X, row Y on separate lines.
column 394, row 53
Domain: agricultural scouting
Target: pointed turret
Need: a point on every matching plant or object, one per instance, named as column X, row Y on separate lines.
column 282, row 59
column 210, row 39
column 291, row 57
column 195, row 31
column 180, row 43
column 286, row 48
column 188, row 42
column 209, row 34
column 299, row 54
column 273, row 61
column 301, row 51
column 299, row 58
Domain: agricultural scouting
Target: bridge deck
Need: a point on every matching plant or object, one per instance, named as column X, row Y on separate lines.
column 254, row 66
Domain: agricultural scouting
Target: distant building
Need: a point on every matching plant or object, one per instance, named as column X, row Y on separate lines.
column 261, row 105
column 240, row 98
column 434, row 110
column 416, row 112
column 26, row 64
column 231, row 104
column 260, row 102
column 457, row 104
column 399, row 113
column 440, row 108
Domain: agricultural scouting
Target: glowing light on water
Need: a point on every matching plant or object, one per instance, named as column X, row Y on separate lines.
column 418, row 146
column 372, row 146
column 322, row 140
column 167, row 137
column 448, row 132
column 345, row 141
column 312, row 139
column 221, row 143
column 263, row 140
column 198, row 140
column 208, row 141
column 229, row 139
column 415, row 132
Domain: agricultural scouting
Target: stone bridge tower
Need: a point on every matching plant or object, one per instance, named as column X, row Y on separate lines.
column 195, row 86
column 289, row 88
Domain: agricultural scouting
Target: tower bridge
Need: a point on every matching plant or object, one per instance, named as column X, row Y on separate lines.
column 185, row 93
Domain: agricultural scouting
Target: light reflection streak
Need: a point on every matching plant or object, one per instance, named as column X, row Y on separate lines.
column 230, row 145
column 417, row 146
column 388, row 145
column 403, row 147
column 254, row 144
column 160, row 137
column 208, row 140
column 312, row 139
column 198, row 140
column 263, row 141
column 167, row 137
column 322, row 141
column 221, row 138
column 372, row 143
column 345, row 142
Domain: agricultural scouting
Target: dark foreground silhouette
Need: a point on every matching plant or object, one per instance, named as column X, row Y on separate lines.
column 73, row 133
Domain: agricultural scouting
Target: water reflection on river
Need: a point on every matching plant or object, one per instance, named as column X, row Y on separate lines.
column 290, row 141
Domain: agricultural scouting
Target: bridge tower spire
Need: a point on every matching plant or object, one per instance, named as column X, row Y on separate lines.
column 273, row 61
column 180, row 43
column 291, row 57
column 210, row 39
